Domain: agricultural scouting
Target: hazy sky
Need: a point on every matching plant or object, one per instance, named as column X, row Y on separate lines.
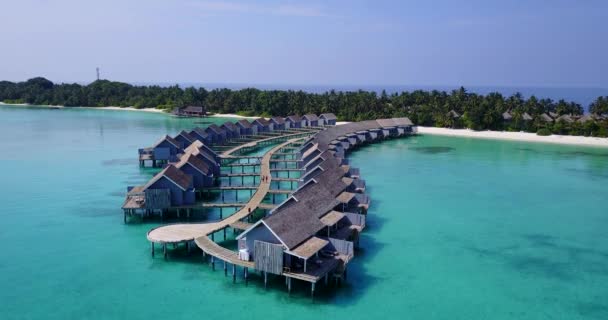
column 433, row 42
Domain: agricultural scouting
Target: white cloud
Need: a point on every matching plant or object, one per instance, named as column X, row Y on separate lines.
column 292, row 10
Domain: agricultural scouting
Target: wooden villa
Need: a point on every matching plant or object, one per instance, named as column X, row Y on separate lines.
column 294, row 122
column 185, row 139
column 262, row 125
column 202, row 175
column 310, row 120
column 169, row 188
column 327, row 119
column 218, row 135
column 163, row 151
column 246, row 128
column 202, row 136
column 190, row 111
column 232, row 131
column 278, row 123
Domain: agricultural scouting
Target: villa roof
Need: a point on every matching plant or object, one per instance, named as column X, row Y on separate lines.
column 187, row 136
column 293, row 118
column 230, row 126
column 544, row 117
column 278, row 120
column 194, row 109
column 200, row 131
column 586, row 118
column 176, row 176
column 195, row 162
column 309, row 248
column 328, row 116
column 244, row 123
column 386, row 122
column 261, row 121
column 169, row 139
column 566, row 118
column 506, row 115
column 345, row 197
column 332, row 217
column 311, row 117
column 452, row 113
column 526, row 117
column 402, row 121
column 215, row 128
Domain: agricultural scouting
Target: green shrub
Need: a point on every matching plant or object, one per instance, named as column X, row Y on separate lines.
column 543, row 132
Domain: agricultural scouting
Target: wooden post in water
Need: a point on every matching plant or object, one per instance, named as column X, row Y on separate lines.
column 246, row 275
column 312, row 290
column 225, row 269
column 213, row 263
column 165, row 250
column 152, row 248
column 265, row 279
column 233, row 273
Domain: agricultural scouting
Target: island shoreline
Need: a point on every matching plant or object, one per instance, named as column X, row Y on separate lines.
column 516, row 136
column 464, row 133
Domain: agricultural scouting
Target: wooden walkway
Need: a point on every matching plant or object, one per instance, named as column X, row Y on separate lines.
column 255, row 144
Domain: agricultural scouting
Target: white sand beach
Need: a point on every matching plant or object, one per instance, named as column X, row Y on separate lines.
column 100, row 108
column 154, row 110
column 517, row 136
column 230, row 115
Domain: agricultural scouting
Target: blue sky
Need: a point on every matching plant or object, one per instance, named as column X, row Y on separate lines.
column 435, row 42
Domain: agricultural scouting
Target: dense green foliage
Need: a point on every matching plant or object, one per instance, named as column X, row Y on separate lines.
column 543, row 132
column 427, row 108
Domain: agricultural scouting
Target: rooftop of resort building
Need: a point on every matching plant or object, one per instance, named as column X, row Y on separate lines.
column 174, row 175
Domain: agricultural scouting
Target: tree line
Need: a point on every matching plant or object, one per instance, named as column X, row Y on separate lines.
column 457, row 109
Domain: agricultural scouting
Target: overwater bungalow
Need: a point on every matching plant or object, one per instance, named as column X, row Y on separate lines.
column 205, row 154
column 169, row 188
column 163, row 151
column 310, row 120
column 232, row 131
column 327, row 119
column 218, row 135
column 293, row 235
column 294, row 122
column 185, row 139
column 278, row 123
column 202, row 175
column 246, row 128
column 200, row 135
column 262, row 125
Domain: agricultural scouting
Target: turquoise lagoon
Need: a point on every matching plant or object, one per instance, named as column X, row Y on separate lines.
column 458, row 229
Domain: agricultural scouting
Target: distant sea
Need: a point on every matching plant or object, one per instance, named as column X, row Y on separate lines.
column 582, row 95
